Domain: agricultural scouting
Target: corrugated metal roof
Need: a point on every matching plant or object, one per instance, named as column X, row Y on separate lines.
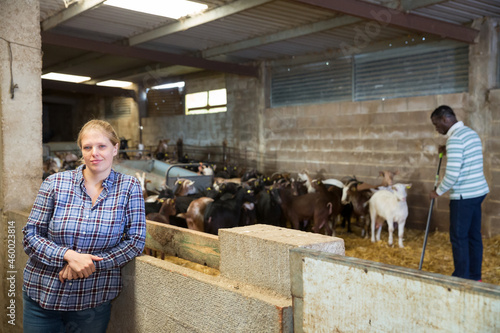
column 254, row 34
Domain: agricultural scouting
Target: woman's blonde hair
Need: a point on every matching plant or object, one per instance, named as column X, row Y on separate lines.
column 102, row 126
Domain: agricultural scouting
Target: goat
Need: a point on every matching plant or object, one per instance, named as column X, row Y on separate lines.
column 358, row 198
column 184, row 187
column 333, row 196
column 392, row 207
column 195, row 213
column 167, row 209
column 310, row 206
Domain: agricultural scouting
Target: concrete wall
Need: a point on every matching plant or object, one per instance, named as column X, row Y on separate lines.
column 239, row 126
column 20, row 126
column 341, row 294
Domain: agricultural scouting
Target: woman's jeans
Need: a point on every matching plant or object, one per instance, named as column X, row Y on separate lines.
column 465, row 237
column 39, row 320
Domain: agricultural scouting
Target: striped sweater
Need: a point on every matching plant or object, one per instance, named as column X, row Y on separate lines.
column 464, row 171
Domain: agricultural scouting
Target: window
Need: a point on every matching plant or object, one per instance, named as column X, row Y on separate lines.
column 211, row 101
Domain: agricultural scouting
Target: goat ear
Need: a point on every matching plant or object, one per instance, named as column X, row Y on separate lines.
column 381, row 174
column 408, row 186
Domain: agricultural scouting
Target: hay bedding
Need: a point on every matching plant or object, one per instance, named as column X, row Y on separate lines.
column 438, row 256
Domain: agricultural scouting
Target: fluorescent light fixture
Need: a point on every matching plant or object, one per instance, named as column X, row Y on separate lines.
column 179, row 84
column 65, row 77
column 169, row 8
column 114, row 83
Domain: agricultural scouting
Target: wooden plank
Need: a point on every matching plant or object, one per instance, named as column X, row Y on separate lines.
column 195, row 246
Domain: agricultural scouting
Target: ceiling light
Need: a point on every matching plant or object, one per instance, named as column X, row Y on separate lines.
column 65, row 77
column 114, row 83
column 169, row 8
column 170, row 85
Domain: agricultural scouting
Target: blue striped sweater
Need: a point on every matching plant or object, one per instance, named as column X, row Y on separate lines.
column 464, row 171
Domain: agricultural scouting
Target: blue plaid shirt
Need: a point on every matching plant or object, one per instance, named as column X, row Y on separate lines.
column 63, row 218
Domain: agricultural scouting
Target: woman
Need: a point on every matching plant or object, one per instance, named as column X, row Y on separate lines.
column 84, row 225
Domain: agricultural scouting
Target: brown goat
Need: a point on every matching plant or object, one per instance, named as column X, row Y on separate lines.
column 307, row 207
column 167, row 209
column 195, row 213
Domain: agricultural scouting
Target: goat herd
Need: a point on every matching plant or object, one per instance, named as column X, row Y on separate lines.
column 301, row 203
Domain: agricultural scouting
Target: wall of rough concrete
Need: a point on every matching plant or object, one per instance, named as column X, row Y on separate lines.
column 20, row 126
column 238, row 126
column 342, row 294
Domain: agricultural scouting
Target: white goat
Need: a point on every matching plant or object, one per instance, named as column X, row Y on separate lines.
column 392, row 207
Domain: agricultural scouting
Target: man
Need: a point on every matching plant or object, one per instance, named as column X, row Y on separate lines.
column 464, row 178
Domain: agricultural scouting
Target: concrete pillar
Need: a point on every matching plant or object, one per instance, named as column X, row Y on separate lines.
column 20, row 133
column 21, row 104
column 483, row 58
column 483, row 73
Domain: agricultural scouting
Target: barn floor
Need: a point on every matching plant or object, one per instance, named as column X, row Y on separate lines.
column 438, row 257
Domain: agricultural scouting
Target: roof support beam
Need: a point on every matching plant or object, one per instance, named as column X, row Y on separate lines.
column 280, row 36
column 155, row 56
column 70, row 12
column 208, row 16
column 397, row 18
column 407, row 5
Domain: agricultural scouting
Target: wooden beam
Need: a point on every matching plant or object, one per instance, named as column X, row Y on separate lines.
column 70, row 12
column 208, row 16
column 156, row 56
column 195, row 246
column 397, row 18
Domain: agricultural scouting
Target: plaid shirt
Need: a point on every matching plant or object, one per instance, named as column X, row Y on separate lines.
column 63, row 218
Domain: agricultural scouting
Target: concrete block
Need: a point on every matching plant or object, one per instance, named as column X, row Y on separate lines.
column 259, row 254
column 454, row 101
column 395, row 105
column 350, row 107
column 422, row 103
column 159, row 296
column 370, row 107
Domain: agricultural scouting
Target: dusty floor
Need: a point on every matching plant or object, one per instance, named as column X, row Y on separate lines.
column 437, row 259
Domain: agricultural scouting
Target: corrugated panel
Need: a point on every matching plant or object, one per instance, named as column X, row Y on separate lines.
column 313, row 83
column 416, row 74
column 461, row 11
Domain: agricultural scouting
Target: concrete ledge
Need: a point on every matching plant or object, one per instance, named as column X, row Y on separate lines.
column 159, row 296
column 259, row 254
